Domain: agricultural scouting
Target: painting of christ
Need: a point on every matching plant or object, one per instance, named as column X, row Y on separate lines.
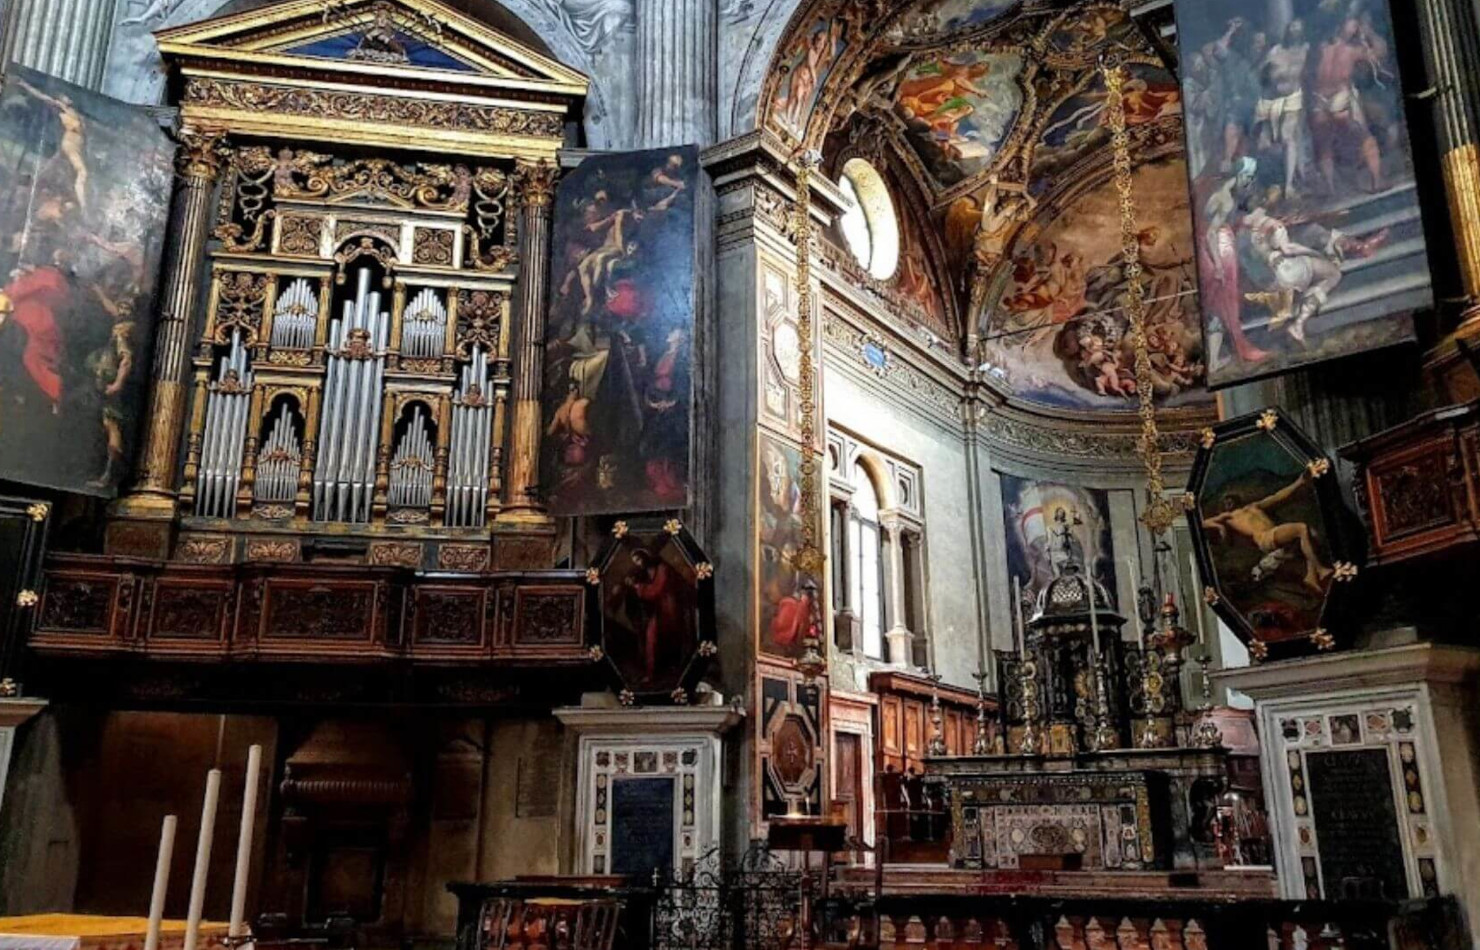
column 1031, row 509
column 84, row 193
column 1310, row 239
column 618, row 344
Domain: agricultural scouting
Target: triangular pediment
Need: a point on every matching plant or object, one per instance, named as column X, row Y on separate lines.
column 391, row 39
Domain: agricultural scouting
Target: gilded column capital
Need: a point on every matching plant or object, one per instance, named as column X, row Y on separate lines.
column 202, row 154
column 536, row 183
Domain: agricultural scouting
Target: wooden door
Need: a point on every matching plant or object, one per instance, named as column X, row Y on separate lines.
column 848, row 789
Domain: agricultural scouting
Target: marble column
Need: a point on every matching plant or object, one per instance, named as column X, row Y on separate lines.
column 1451, row 47
column 199, row 161
column 677, row 62
column 67, row 38
column 535, row 183
column 898, row 635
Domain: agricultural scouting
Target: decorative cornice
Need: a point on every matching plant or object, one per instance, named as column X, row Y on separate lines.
column 1085, row 444
column 648, row 720
column 370, row 107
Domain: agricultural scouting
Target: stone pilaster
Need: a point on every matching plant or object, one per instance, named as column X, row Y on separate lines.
column 68, row 39
column 152, row 496
column 535, row 183
column 1451, row 47
column 677, row 60
column 898, row 635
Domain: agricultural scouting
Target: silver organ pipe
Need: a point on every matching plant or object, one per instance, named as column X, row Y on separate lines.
column 424, row 326
column 227, row 402
column 344, row 477
column 295, row 316
column 411, row 468
column 472, row 425
column 279, row 459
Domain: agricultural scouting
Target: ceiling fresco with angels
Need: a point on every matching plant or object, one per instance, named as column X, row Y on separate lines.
column 991, row 118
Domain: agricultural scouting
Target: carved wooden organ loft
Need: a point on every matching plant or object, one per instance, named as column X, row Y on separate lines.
column 354, row 366
column 344, row 415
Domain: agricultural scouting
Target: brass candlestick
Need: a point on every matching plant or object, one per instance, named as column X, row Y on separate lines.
column 983, row 743
column 1030, row 743
column 1206, row 734
column 1104, row 738
column 937, row 745
column 1151, row 685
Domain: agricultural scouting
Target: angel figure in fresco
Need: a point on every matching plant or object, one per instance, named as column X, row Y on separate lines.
column 811, row 53
column 72, row 146
column 1279, row 542
column 940, row 98
column 1053, row 293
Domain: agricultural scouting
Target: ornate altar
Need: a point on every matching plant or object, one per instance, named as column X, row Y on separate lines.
column 1094, row 776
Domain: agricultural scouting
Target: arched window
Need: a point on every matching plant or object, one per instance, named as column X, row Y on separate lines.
column 870, row 226
column 868, row 563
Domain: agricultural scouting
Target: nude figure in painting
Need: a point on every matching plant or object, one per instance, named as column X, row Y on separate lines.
column 1252, row 522
column 71, row 145
column 815, row 50
column 1337, row 117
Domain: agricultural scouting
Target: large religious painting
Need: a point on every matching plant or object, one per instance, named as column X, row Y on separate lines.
column 1034, row 515
column 1310, row 240
column 619, row 342
column 653, row 596
column 789, row 597
column 1275, row 545
column 957, row 108
column 1059, row 334
column 84, row 195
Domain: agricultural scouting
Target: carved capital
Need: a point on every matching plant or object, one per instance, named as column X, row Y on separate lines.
column 535, row 182
column 202, row 154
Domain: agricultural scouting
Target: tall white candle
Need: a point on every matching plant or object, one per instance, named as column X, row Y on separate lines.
column 1017, row 604
column 1195, row 602
column 161, row 881
column 1136, row 600
column 1094, row 615
column 202, row 859
column 244, row 844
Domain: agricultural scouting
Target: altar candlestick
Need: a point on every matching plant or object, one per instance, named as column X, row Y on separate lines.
column 161, row 881
column 1196, row 603
column 244, row 844
column 202, row 859
column 1017, row 603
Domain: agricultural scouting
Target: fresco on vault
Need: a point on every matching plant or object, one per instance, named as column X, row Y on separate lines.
column 936, row 18
column 1079, row 126
column 957, row 109
column 804, row 66
column 84, row 194
column 618, row 385
column 1059, row 334
column 1310, row 241
column 1029, row 510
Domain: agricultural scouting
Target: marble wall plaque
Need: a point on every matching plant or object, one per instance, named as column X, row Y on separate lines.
column 1361, row 848
column 642, row 825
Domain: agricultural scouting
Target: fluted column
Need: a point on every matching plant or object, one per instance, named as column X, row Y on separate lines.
column 677, row 59
column 1451, row 47
column 67, row 38
column 898, row 635
column 198, row 162
column 536, row 187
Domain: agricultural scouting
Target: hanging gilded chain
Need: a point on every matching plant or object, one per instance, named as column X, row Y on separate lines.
column 809, row 560
column 1160, row 512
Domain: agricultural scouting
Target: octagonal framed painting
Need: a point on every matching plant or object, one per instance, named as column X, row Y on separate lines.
column 651, row 597
column 1277, row 549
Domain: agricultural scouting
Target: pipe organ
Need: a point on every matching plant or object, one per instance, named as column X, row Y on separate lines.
column 354, row 364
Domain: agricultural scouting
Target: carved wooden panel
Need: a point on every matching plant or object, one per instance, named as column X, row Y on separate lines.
column 306, row 613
